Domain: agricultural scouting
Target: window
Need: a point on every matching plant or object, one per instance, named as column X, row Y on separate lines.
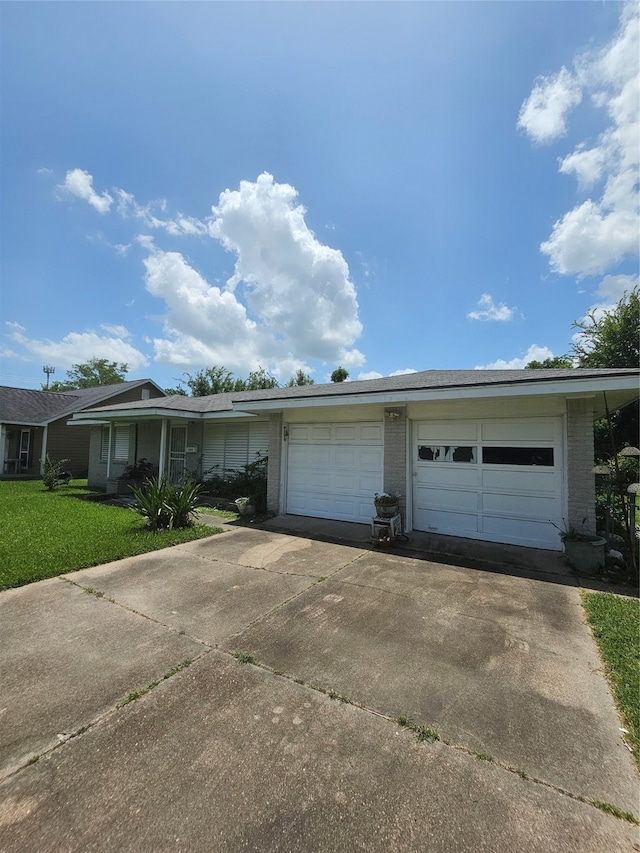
column 121, row 443
column 446, row 453
column 104, row 446
column 518, row 456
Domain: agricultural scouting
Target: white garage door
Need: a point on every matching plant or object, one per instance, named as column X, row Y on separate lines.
column 500, row 481
column 333, row 470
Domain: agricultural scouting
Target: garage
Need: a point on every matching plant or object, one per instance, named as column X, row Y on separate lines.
column 334, row 469
column 495, row 480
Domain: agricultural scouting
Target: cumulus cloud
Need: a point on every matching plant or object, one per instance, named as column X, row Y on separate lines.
column 543, row 114
column 403, row 371
column 534, row 353
column 490, row 311
column 80, row 184
column 79, row 347
column 298, row 287
column 600, row 232
column 290, row 298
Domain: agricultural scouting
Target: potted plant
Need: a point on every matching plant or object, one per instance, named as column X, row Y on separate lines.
column 386, row 503
column 245, row 507
column 584, row 551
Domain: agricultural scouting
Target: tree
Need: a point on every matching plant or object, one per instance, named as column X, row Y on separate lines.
column 300, row 378
column 558, row 362
column 339, row 374
column 212, row 380
column 613, row 339
column 177, row 391
column 259, row 379
column 90, row 374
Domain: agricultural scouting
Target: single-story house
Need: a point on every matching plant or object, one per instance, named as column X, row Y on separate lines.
column 498, row 455
column 35, row 423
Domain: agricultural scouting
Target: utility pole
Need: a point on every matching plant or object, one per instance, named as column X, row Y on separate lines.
column 48, row 370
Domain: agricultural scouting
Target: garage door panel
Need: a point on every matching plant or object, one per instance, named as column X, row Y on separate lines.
column 528, row 432
column 433, row 475
column 449, row 523
column 449, row 499
column 534, row 534
column 449, row 432
column 520, row 480
column 524, row 506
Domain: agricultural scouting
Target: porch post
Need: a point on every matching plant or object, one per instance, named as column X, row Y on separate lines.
column 108, row 450
column 164, row 429
column 43, row 452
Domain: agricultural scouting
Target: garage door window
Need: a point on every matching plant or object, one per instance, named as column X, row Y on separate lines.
column 518, row 456
column 447, row 453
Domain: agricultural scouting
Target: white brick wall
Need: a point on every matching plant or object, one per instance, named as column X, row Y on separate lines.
column 580, row 461
column 274, row 463
column 395, row 456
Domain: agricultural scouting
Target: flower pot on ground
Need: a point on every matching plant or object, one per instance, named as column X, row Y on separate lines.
column 386, row 504
column 585, row 553
column 245, row 506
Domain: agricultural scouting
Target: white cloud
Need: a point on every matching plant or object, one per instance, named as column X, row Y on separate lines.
column 300, row 303
column 180, row 225
column 601, row 231
column 403, row 372
column 534, row 353
column 79, row 347
column 491, row 311
column 543, row 114
column 370, row 374
column 80, row 184
column 45, row 171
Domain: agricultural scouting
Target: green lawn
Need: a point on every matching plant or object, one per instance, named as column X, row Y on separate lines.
column 48, row 533
column 615, row 622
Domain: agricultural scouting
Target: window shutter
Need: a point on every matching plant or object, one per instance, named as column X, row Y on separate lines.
column 121, row 446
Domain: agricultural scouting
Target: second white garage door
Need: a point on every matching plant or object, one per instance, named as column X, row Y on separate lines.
column 333, row 470
column 499, row 480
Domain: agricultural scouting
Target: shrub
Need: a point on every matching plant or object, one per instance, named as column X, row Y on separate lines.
column 165, row 505
column 251, row 481
column 53, row 472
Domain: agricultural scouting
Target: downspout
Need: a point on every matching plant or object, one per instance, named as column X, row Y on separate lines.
column 163, row 447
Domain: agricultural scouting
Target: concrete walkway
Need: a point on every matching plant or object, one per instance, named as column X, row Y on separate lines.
column 242, row 693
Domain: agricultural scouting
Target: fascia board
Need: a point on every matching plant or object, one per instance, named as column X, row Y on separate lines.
column 562, row 388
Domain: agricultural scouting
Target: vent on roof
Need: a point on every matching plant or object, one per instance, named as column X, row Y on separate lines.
column 146, row 393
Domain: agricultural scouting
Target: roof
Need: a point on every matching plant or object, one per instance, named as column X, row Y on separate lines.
column 390, row 389
column 29, row 407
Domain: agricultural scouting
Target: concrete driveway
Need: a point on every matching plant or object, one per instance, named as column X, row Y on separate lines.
column 129, row 721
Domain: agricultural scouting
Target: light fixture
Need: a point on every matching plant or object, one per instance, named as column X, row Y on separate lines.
column 392, row 413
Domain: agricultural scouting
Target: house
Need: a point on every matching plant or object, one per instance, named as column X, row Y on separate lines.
column 499, row 455
column 34, row 424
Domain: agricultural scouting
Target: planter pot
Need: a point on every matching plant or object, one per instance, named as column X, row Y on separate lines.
column 586, row 555
column 386, row 510
column 245, row 509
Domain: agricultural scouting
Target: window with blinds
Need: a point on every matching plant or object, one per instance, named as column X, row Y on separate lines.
column 121, row 443
column 227, row 448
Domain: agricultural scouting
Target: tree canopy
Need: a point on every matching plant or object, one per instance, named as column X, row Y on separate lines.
column 300, row 378
column 611, row 339
column 90, row 374
column 339, row 374
column 219, row 380
column 558, row 362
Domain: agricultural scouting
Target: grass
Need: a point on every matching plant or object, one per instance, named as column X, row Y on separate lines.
column 615, row 623
column 45, row 534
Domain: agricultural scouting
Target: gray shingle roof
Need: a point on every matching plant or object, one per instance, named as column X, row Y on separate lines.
column 424, row 380
column 28, row 406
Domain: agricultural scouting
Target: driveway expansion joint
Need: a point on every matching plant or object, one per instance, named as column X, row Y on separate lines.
column 101, row 596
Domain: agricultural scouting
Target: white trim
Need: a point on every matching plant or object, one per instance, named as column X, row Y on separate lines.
column 43, row 452
column 163, row 447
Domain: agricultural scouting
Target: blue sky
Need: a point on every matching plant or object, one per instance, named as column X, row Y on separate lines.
column 385, row 186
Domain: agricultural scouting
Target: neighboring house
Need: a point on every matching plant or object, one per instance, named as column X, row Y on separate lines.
column 499, row 455
column 34, row 424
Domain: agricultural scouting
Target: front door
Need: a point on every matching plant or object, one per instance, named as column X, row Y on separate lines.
column 24, row 454
column 177, row 453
